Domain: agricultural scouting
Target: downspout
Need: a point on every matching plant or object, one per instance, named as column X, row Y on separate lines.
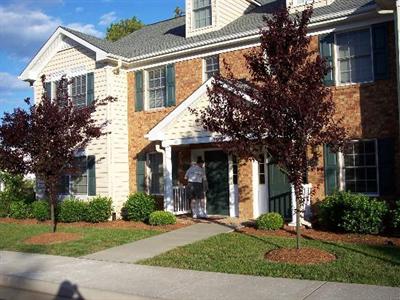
column 397, row 32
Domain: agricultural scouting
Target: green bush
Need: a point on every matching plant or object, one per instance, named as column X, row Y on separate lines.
column 41, row 210
column 162, row 218
column 71, row 210
column 138, row 207
column 269, row 221
column 16, row 189
column 98, row 209
column 396, row 216
column 20, row 210
column 350, row 212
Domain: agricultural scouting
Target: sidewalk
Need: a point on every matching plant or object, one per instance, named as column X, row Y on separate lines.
column 107, row 280
column 150, row 247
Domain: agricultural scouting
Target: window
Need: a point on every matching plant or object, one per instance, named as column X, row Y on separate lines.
column 78, row 90
column 360, row 167
column 211, row 66
column 156, row 176
column 156, row 88
column 261, row 170
column 202, row 13
column 302, row 2
column 77, row 183
column 354, row 56
column 235, row 169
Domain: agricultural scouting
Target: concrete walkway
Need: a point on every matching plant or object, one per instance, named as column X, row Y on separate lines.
column 106, row 280
column 150, row 247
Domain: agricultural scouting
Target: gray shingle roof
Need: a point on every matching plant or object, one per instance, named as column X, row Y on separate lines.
column 167, row 36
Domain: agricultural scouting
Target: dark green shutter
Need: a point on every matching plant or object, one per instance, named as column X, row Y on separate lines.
column 171, row 101
column 386, row 166
column 47, row 89
column 91, row 164
column 90, row 88
column 380, row 49
column 139, row 91
column 326, row 47
column 141, row 172
column 331, row 170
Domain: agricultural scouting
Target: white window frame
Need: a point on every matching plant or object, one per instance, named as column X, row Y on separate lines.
column 302, row 2
column 205, row 73
column 149, row 174
column 336, row 58
column 54, row 87
column 70, row 183
column 194, row 10
column 342, row 179
column 147, row 89
column 86, row 87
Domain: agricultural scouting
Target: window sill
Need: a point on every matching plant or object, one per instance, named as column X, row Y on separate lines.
column 353, row 85
column 157, row 110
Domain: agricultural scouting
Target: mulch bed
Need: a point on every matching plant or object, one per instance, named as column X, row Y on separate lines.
column 303, row 256
column 53, row 238
column 119, row 224
column 313, row 234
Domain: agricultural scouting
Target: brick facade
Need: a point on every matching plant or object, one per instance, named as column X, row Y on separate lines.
column 370, row 111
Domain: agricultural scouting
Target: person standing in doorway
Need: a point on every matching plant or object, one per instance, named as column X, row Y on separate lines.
column 197, row 186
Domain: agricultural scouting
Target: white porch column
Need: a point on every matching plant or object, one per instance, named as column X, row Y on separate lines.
column 294, row 217
column 168, row 192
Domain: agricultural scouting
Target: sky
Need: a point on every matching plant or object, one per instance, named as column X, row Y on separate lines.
column 25, row 25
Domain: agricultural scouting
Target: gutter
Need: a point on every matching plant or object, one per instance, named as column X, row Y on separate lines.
column 397, row 31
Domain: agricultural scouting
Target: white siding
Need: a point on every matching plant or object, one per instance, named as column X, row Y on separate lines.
column 111, row 150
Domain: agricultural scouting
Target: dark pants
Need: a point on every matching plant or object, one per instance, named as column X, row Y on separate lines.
column 195, row 190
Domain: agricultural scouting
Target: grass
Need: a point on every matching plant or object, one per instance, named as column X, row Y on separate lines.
column 238, row 253
column 12, row 237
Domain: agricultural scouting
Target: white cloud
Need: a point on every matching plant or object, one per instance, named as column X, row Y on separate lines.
column 23, row 31
column 79, row 9
column 86, row 28
column 9, row 83
column 108, row 18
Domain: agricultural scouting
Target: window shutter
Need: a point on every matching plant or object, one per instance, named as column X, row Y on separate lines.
column 326, row 47
column 47, row 89
column 171, row 101
column 90, row 88
column 141, row 172
column 331, row 170
column 380, row 50
column 91, row 164
column 139, row 90
column 385, row 166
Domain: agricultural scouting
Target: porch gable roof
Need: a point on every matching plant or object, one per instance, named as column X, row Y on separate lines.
column 168, row 128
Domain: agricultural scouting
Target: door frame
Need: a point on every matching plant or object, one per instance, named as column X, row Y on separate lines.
column 233, row 190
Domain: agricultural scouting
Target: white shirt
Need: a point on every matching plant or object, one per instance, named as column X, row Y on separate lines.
column 195, row 174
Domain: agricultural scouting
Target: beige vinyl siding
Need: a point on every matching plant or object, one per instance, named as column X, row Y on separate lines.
column 229, row 11
column 184, row 125
column 111, row 150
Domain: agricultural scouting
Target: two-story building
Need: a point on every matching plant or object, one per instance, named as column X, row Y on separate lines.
column 162, row 71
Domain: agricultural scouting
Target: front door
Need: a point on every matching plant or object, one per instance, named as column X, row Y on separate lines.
column 218, row 182
column 280, row 192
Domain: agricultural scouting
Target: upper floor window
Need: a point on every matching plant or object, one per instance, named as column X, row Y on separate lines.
column 78, row 90
column 202, row 13
column 354, row 56
column 156, row 88
column 302, row 2
column 211, row 66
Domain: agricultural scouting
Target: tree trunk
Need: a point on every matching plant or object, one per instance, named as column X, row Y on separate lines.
column 298, row 189
column 53, row 201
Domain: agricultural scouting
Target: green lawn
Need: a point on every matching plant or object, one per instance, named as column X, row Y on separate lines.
column 12, row 237
column 239, row 253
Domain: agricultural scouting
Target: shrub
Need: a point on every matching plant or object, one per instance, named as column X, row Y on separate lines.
column 71, row 210
column 162, row 218
column 138, row 207
column 16, row 189
column 41, row 210
column 352, row 213
column 20, row 210
column 396, row 216
column 269, row 221
column 98, row 209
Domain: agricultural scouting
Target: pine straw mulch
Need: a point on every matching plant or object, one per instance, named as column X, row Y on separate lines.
column 303, row 256
column 119, row 224
column 53, row 238
column 312, row 234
